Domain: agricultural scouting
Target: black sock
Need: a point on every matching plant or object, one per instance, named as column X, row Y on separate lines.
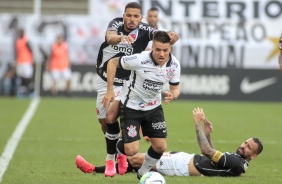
column 100, row 169
column 112, row 136
column 120, row 146
column 130, row 168
column 152, row 153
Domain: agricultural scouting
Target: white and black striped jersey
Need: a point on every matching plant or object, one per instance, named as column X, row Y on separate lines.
column 230, row 164
column 143, row 90
column 142, row 35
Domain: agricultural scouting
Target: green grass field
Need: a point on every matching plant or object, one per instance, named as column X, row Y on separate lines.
column 62, row 128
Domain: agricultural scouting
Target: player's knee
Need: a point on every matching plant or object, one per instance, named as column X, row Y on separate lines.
column 110, row 119
column 130, row 151
column 160, row 148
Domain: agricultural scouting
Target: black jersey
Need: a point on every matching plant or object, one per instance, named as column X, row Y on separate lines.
column 141, row 35
column 230, row 164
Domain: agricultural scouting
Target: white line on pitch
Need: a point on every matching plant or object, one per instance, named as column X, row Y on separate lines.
column 16, row 137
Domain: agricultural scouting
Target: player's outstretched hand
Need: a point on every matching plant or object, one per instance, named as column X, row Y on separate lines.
column 168, row 97
column 173, row 37
column 108, row 98
column 208, row 126
column 198, row 115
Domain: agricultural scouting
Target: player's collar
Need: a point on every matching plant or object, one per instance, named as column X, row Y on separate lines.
column 156, row 64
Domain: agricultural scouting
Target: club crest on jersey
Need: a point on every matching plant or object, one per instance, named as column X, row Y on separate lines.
column 133, row 36
column 169, row 73
column 132, row 131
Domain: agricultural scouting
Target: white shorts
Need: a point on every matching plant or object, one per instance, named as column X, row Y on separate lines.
column 64, row 74
column 24, row 70
column 101, row 91
column 175, row 164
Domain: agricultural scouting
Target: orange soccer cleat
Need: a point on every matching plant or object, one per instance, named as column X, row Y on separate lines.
column 122, row 164
column 83, row 165
column 110, row 169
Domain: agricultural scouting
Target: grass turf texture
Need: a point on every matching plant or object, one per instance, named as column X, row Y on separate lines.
column 62, row 128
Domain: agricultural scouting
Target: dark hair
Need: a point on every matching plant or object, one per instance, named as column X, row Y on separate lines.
column 133, row 5
column 161, row 36
column 259, row 143
column 153, row 9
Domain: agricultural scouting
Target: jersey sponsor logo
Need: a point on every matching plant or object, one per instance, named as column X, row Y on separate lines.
column 127, row 50
column 132, row 131
column 175, row 64
column 116, row 25
column 128, row 58
column 152, row 85
column 116, row 80
column 248, row 87
column 159, row 125
column 146, row 61
column 142, row 105
column 147, row 28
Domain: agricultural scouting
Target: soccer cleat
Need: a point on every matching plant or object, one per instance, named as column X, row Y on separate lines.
column 110, row 169
column 83, row 165
column 122, row 164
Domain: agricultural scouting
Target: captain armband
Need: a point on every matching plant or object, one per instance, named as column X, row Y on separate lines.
column 217, row 155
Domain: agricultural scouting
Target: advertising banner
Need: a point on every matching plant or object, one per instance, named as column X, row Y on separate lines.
column 203, row 83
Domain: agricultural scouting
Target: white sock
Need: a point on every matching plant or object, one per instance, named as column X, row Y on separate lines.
column 110, row 157
column 147, row 165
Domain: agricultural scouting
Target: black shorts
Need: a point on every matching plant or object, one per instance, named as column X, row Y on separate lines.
column 152, row 123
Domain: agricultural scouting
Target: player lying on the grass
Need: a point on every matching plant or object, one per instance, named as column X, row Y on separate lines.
column 211, row 163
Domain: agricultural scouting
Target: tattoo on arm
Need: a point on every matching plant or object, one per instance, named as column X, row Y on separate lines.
column 205, row 147
column 208, row 136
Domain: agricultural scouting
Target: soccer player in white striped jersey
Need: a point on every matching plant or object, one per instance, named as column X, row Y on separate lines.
column 141, row 98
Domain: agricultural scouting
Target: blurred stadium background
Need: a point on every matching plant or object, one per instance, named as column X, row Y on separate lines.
column 228, row 50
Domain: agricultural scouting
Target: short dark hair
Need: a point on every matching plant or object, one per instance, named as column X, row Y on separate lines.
column 133, row 5
column 161, row 36
column 259, row 143
column 153, row 9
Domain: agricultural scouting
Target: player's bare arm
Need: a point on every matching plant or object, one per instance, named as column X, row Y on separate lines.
column 172, row 94
column 113, row 38
column 205, row 147
column 111, row 72
column 208, row 129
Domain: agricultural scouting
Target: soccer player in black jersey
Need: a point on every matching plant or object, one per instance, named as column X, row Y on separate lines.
column 211, row 163
column 125, row 35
